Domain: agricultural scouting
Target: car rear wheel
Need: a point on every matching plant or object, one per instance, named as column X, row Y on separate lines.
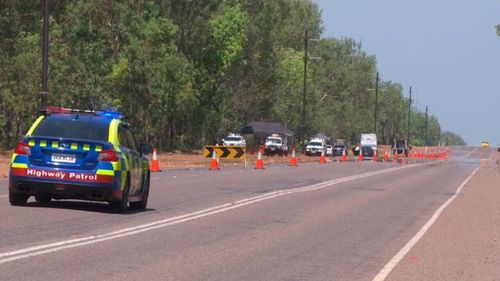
column 141, row 205
column 18, row 199
column 43, row 198
column 122, row 205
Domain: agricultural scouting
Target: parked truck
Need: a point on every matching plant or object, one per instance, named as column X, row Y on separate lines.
column 369, row 140
column 275, row 144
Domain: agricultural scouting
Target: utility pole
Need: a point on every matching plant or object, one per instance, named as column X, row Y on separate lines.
column 303, row 125
column 426, row 141
column 409, row 118
column 376, row 105
column 45, row 55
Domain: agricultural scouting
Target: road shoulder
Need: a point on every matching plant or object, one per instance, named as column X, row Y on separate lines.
column 464, row 243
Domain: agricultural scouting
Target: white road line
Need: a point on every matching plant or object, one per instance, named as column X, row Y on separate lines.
column 6, row 195
column 78, row 242
column 384, row 272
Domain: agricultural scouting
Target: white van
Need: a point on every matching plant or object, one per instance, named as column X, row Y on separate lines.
column 369, row 140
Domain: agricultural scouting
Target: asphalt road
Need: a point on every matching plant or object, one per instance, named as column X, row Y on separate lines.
column 338, row 221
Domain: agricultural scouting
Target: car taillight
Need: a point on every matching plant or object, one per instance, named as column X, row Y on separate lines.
column 22, row 149
column 108, row 155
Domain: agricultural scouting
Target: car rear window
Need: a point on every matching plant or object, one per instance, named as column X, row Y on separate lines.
column 315, row 144
column 233, row 139
column 74, row 128
column 273, row 141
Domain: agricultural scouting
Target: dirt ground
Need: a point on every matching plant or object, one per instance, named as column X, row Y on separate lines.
column 186, row 160
column 196, row 160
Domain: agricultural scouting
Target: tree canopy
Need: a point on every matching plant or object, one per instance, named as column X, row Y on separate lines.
column 188, row 72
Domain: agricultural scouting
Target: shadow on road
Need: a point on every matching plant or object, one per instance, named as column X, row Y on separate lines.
column 100, row 207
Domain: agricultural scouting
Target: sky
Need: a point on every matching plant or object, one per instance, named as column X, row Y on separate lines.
column 446, row 50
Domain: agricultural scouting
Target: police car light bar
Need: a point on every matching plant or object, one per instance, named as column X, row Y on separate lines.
column 109, row 113
column 112, row 114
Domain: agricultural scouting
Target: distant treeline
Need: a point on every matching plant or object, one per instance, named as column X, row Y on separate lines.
column 188, row 72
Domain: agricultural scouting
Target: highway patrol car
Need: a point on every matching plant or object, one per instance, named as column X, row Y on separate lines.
column 80, row 154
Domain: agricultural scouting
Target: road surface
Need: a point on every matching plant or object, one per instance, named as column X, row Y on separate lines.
column 338, row 221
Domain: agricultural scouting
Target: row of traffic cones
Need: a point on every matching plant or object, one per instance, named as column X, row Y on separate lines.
column 259, row 164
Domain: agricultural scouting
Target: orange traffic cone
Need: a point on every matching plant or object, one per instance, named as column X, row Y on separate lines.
column 360, row 155
column 260, row 163
column 214, row 163
column 322, row 159
column 155, row 164
column 395, row 156
column 293, row 159
column 386, row 156
column 344, row 156
column 375, row 156
column 403, row 158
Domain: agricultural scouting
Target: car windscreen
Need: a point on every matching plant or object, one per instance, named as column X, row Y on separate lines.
column 232, row 139
column 339, row 147
column 274, row 141
column 75, row 128
column 315, row 144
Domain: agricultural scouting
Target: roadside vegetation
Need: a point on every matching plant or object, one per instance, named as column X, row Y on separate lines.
column 188, row 72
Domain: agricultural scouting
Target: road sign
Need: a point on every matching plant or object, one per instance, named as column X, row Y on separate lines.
column 225, row 151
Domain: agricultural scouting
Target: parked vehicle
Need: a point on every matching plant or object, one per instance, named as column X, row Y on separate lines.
column 400, row 147
column 369, row 140
column 329, row 150
column 233, row 140
column 275, row 144
column 315, row 147
column 367, row 151
column 80, row 154
column 338, row 149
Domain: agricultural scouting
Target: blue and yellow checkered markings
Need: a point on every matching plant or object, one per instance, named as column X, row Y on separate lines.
column 71, row 145
column 19, row 161
column 108, row 168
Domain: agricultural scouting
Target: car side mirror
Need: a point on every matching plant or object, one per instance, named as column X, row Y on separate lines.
column 145, row 148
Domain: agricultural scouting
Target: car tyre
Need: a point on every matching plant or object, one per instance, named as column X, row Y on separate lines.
column 18, row 199
column 121, row 206
column 43, row 198
column 141, row 205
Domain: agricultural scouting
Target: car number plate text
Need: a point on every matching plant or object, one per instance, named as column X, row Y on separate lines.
column 64, row 158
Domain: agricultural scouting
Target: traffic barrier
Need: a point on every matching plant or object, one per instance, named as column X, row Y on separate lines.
column 322, row 158
column 259, row 165
column 293, row 159
column 344, row 156
column 214, row 163
column 238, row 152
column 229, row 152
column 155, row 164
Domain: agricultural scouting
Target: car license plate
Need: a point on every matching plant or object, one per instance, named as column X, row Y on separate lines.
column 64, row 158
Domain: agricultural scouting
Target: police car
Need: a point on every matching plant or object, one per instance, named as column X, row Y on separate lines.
column 80, row 154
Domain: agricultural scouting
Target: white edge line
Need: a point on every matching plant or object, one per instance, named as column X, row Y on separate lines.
column 2, row 196
column 73, row 243
column 386, row 270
